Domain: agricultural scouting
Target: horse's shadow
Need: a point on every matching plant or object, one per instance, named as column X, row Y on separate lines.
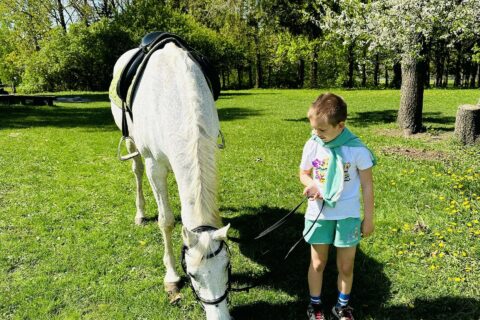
column 371, row 288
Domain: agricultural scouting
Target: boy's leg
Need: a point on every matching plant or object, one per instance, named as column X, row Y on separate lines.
column 347, row 237
column 319, row 257
column 345, row 262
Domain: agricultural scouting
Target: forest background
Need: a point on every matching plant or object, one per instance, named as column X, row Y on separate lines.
column 57, row 45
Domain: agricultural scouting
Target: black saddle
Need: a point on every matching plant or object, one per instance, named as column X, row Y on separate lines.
column 156, row 41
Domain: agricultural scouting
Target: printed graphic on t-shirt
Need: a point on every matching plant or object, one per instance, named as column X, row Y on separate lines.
column 346, row 166
column 320, row 169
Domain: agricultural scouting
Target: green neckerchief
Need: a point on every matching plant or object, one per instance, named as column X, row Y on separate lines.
column 335, row 175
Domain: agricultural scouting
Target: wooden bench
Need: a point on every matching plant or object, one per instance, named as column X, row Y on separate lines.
column 25, row 99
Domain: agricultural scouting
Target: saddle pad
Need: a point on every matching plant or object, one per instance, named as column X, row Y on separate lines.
column 112, row 91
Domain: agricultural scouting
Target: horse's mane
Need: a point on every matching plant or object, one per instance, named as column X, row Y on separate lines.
column 201, row 148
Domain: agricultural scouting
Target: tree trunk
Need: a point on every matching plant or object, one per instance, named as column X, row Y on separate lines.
column 478, row 76
column 258, row 73
column 473, row 69
column 376, row 70
column 250, row 76
column 439, row 64
column 314, row 75
column 397, row 76
column 351, row 65
column 364, row 67
column 466, row 74
column 467, row 124
column 301, row 73
column 458, row 66
column 386, row 76
column 411, row 100
column 364, row 75
column 239, row 77
column 223, row 79
column 445, row 83
column 438, row 75
column 427, row 73
column 258, row 60
column 269, row 76
column 61, row 15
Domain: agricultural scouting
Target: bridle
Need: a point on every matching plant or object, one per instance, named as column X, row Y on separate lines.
column 223, row 245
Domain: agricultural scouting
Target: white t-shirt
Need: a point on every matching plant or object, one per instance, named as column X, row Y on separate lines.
column 316, row 157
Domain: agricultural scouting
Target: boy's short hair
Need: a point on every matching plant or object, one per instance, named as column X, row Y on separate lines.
column 330, row 107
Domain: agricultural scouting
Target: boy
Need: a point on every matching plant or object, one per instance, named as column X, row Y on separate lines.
column 334, row 165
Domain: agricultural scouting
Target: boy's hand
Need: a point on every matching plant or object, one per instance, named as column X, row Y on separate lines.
column 367, row 227
column 312, row 192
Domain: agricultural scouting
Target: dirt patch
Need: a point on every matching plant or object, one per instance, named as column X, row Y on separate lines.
column 412, row 153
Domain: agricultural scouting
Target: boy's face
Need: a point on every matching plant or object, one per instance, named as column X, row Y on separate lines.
column 325, row 130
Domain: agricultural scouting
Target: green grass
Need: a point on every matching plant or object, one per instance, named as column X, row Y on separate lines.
column 69, row 248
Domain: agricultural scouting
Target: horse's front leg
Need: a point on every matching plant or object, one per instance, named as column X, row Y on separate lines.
column 157, row 175
column 138, row 169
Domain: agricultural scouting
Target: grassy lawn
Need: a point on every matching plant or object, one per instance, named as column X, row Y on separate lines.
column 69, row 248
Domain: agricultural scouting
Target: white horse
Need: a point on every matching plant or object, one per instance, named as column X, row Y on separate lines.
column 175, row 127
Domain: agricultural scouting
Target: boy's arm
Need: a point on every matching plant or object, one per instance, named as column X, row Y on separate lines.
column 366, row 180
column 310, row 189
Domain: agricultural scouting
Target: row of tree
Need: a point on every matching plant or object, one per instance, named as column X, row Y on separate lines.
column 50, row 45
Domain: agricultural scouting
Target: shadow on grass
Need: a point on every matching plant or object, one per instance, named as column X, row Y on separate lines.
column 228, row 95
column 436, row 118
column 290, row 276
column 373, row 117
column 228, row 114
column 91, row 96
column 19, row 116
column 371, row 287
column 390, row 116
column 439, row 309
column 234, row 94
column 304, row 119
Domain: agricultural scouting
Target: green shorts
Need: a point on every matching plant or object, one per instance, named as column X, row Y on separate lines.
column 340, row 233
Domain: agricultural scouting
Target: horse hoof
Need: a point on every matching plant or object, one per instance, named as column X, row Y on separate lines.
column 139, row 221
column 174, row 295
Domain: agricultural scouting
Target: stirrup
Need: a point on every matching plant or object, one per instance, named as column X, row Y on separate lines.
column 128, row 156
column 221, row 145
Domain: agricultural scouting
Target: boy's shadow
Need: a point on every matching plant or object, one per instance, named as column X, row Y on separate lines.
column 371, row 286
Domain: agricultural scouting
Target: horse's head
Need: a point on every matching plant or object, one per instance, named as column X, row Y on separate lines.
column 206, row 261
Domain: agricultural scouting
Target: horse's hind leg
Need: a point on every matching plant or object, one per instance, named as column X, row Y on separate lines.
column 157, row 175
column 138, row 168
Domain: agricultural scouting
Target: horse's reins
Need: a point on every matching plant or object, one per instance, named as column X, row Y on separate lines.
column 280, row 222
column 223, row 245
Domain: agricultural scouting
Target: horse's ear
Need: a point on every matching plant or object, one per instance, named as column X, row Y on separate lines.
column 221, row 234
column 189, row 238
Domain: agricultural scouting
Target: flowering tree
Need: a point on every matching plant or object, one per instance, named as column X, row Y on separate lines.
column 405, row 27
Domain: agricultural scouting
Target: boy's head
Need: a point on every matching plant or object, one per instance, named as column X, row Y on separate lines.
column 327, row 116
